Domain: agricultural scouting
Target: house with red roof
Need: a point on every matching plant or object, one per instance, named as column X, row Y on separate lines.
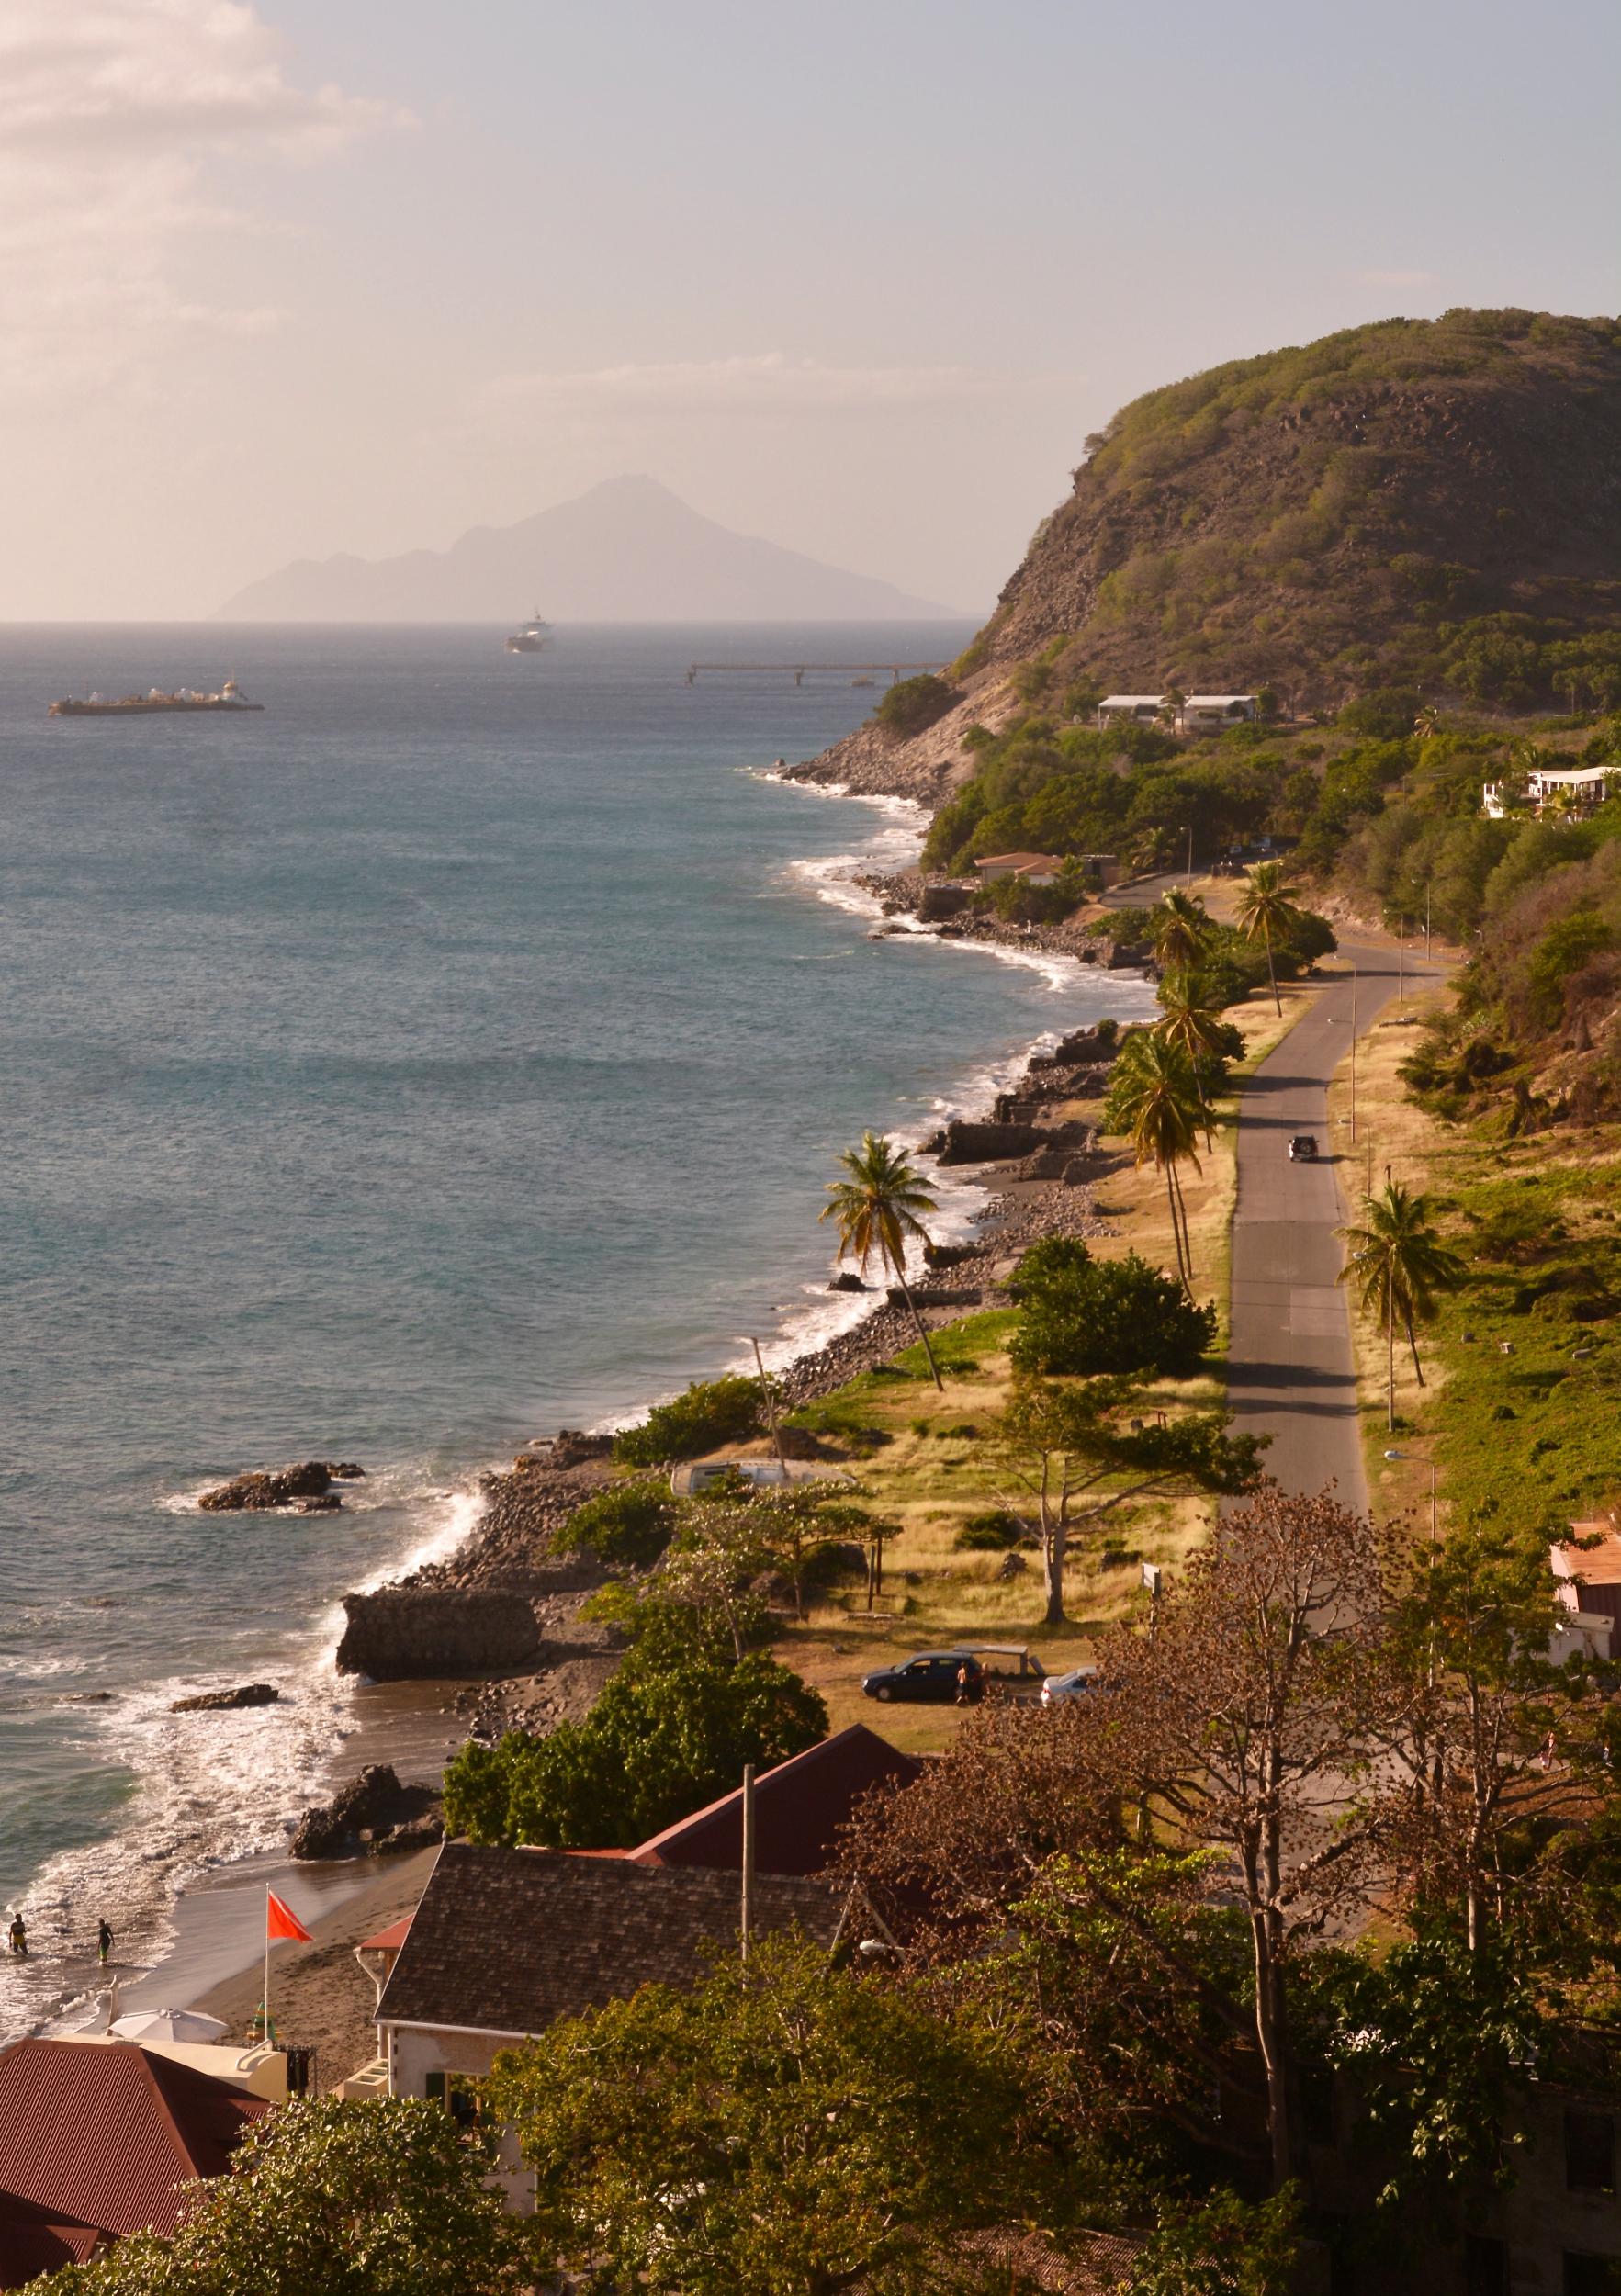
column 99, row 2142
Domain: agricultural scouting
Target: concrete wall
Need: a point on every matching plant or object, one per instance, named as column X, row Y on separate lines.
column 414, row 2051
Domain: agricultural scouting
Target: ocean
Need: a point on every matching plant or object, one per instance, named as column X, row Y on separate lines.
column 456, row 1051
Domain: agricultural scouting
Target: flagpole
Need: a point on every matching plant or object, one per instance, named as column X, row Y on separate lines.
column 265, row 1998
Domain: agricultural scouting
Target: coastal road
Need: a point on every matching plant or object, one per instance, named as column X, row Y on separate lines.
column 1291, row 1370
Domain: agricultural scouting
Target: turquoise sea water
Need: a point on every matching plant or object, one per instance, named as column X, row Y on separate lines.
column 456, row 1050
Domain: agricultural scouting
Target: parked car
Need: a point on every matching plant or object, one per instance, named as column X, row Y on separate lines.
column 930, row 1676
column 1074, row 1684
column 1303, row 1148
column 1010, row 1665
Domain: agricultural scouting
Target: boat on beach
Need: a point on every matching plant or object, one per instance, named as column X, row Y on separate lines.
column 184, row 699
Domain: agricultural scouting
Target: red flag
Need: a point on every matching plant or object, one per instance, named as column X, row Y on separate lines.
column 280, row 1920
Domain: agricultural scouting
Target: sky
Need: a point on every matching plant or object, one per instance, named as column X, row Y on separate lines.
column 284, row 277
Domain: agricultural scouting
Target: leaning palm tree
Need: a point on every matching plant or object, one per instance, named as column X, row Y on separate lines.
column 877, row 1207
column 1154, row 1101
column 1180, row 931
column 1193, row 1026
column 1401, row 1266
column 1268, row 912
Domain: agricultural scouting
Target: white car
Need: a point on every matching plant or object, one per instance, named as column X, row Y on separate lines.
column 1074, row 1684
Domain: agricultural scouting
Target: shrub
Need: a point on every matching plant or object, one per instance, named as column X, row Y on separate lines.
column 990, row 1534
column 913, row 705
column 631, row 1523
column 711, row 1411
column 1083, row 1316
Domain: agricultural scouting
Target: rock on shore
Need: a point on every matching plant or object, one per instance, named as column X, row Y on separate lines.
column 227, row 1701
column 374, row 1813
column 258, row 1492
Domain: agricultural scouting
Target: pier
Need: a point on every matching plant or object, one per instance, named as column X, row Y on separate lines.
column 799, row 672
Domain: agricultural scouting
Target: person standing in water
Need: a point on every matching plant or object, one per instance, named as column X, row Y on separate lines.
column 104, row 1940
column 18, row 1937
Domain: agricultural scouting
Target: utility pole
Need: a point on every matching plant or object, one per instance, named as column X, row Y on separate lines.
column 1191, row 853
column 1428, row 889
column 747, row 1923
column 1353, row 1057
column 1402, row 968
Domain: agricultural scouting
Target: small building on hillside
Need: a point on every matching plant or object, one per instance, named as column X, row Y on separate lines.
column 1030, row 868
column 97, row 2143
column 1211, row 713
column 1555, row 789
column 1129, row 709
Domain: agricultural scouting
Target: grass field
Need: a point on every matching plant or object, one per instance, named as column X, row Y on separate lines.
column 1521, row 1408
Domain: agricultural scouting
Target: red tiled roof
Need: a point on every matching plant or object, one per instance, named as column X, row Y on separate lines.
column 1591, row 1566
column 799, row 1807
column 99, row 2135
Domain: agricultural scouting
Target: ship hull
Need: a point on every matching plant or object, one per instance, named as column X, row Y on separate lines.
column 150, row 709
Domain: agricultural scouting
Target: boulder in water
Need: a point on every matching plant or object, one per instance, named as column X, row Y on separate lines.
column 225, row 1701
column 277, row 1487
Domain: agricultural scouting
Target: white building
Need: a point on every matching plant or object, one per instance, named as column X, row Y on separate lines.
column 1208, row 713
column 1129, row 709
column 1553, row 787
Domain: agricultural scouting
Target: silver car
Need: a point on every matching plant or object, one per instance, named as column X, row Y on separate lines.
column 1074, row 1684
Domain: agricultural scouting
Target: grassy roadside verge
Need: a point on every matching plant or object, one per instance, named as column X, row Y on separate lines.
column 1519, row 1408
column 925, row 1464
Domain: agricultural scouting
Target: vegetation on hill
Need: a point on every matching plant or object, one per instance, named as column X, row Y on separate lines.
column 1413, row 501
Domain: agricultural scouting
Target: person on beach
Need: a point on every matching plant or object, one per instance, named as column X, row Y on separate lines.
column 104, row 1940
column 18, row 1937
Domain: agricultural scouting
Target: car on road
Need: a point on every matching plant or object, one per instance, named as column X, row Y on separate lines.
column 931, row 1676
column 1303, row 1148
column 1074, row 1684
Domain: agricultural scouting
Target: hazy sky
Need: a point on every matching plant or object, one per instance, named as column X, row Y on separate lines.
column 305, row 275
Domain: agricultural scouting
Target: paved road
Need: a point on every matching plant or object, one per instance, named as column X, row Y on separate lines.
column 1291, row 1374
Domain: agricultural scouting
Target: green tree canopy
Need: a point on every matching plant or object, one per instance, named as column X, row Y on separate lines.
column 1083, row 1315
column 332, row 2198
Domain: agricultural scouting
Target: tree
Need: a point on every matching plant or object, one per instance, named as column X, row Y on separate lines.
column 1268, row 912
column 1082, row 1455
column 913, row 704
column 1179, row 929
column 1191, row 1024
column 709, row 1412
column 1245, row 1719
column 331, row 2198
column 790, row 2127
column 1153, row 1098
column 1401, row 1266
column 628, row 1523
column 1083, row 1316
column 878, row 1206
column 657, row 1745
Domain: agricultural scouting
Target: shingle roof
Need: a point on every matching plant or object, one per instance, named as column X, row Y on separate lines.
column 99, row 2135
column 799, row 1807
column 506, row 1941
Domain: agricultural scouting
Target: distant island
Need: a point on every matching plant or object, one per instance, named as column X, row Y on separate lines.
column 627, row 551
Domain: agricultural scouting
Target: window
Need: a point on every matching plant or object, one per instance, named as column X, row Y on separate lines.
column 434, row 2087
column 1591, row 2276
column 1317, row 2115
column 1485, row 2266
column 1590, row 2151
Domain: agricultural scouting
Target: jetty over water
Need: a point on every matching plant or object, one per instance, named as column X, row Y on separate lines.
column 800, row 670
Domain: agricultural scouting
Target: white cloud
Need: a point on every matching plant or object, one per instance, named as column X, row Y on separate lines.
column 110, row 111
column 1397, row 278
column 766, row 383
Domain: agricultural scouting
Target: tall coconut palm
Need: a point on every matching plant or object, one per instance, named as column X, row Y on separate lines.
column 1267, row 911
column 1191, row 1024
column 1180, row 931
column 1154, row 1101
column 877, row 1206
column 1401, row 1266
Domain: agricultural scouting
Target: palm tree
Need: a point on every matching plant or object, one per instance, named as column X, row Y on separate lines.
column 1266, row 912
column 1398, row 1260
column 1155, row 1099
column 877, row 1208
column 1193, row 1026
column 1180, row 931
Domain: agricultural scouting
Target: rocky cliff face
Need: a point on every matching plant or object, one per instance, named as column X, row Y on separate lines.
column 1316, row 521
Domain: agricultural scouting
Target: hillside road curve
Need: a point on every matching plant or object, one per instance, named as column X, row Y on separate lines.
column 1291, row 1373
